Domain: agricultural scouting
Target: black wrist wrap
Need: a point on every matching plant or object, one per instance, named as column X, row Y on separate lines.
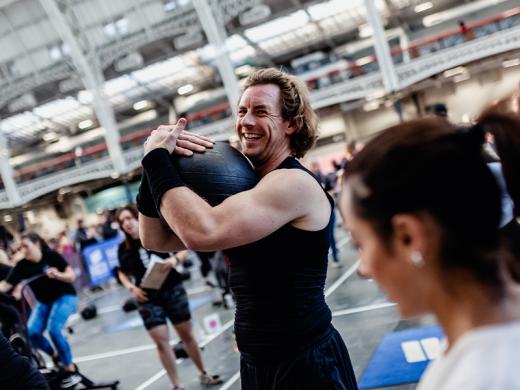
column 144, row 199
column 162, row 175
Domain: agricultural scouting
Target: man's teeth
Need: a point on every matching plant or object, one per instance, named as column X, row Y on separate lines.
column 251, row 136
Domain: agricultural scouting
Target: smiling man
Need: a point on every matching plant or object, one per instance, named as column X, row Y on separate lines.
column 276, row 236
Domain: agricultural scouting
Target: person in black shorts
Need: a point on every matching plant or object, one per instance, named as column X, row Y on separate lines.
column 50, row 278
column 276, row 236
column 170, row 301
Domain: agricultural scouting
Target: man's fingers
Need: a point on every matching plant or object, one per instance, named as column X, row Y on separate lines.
column 190, row 145
column 182, row 151
column 197, row 139
column 203, row 137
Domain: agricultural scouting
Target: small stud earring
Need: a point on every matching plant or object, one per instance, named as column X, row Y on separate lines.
column 417, row 259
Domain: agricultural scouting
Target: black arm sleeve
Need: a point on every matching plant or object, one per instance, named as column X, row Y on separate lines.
column 16, row 372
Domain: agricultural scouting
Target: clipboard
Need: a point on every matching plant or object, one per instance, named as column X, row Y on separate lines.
column 154, row 276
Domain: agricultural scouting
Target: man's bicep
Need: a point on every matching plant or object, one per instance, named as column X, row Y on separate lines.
column 252, row 215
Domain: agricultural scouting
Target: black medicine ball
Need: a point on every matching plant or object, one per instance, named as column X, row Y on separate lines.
column 130, row 305
column 217, row 173
column 89, row 312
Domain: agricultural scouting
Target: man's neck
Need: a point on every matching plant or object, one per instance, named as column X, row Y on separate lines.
column 265, row 167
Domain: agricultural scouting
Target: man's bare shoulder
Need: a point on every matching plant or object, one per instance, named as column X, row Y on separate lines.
column 291, row 182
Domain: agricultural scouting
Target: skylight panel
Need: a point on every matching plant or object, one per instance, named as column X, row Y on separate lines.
column 57, row 107
column 277, row 27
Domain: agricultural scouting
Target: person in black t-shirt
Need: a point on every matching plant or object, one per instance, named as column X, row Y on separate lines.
column 170, row 301
column 50, row 279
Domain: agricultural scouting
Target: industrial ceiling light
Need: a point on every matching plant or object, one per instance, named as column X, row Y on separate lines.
column 510, row 63
column 185, row 89
column 423, row 7
column 50, row 136
column 365, row 31
column 83, row 125
column 454, row 71
column 141, row 105
column 244, row 70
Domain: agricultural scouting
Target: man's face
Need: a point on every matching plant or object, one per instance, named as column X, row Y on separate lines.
column 262, row 131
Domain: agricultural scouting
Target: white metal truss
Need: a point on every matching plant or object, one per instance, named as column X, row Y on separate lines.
column 92, row 77
column 183, row 21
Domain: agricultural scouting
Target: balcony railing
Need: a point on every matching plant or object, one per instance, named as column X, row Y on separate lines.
column 503, row 37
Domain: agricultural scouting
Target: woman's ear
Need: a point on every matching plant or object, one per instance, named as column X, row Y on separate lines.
column 410, row 234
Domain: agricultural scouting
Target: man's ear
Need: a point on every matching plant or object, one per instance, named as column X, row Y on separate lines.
column 294, row 125
column 410, row 233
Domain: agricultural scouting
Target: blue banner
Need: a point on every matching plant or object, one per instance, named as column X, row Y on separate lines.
column 100, row 259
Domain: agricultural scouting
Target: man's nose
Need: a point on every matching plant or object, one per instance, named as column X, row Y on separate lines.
column 247, row 119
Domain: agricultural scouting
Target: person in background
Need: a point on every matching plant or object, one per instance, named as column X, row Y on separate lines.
column 315, row 168
column 108, row 226
column 81, row 236
column 205, row 267
column 50, row 279
column 438, row 110
column 65, row 246
column 155, row 306
column 328, row 183
column 425, row 215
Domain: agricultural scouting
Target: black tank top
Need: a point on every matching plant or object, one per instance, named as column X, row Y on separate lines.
column 278, row 284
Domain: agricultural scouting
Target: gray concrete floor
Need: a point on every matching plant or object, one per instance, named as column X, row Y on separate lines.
column 115, row 345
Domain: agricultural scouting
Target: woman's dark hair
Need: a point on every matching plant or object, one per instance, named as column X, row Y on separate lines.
column 36, row 238
column 129, row 241
column 430, row 166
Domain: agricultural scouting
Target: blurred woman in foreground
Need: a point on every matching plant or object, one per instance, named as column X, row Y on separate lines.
column 424, row 209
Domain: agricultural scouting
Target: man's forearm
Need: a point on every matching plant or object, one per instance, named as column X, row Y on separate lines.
column 190, row 216
column 155, row 236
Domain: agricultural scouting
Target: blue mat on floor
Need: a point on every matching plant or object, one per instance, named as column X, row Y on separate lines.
column 389, row 365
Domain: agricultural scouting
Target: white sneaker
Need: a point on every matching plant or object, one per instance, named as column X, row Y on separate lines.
column 70, row 380
column 210, row 380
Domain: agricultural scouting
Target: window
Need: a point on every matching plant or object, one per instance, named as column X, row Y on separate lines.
column 170, row 5
column 118, row 27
